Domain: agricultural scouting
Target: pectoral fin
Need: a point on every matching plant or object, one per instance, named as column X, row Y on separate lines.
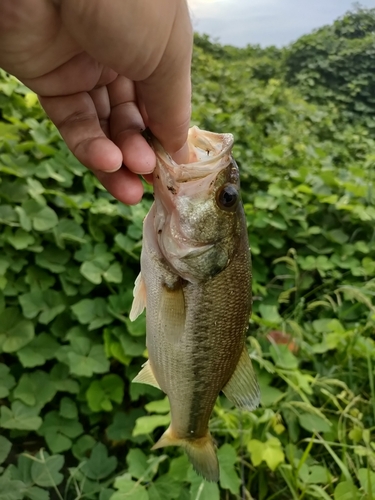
column 146, row 376
column 139, row 301
column 242, row 388
column 172, row 312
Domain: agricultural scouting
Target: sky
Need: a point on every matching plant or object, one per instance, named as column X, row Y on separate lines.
column 265, row 22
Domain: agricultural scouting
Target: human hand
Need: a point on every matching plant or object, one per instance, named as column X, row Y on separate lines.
column 104, row 70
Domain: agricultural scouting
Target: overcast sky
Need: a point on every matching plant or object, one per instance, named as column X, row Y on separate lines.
column 265, row 22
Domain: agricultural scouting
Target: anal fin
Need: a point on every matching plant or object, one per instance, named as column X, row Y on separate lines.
column 146, row 376
column 139, row 301
column 243, row 389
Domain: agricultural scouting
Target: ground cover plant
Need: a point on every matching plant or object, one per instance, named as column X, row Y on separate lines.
column 72, row 426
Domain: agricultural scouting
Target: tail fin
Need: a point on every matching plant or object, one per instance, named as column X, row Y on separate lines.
column 201, row 453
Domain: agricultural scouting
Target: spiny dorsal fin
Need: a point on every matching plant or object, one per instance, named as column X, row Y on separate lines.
column 242, row 388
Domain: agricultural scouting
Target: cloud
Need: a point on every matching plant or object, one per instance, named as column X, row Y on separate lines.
column 265, row 22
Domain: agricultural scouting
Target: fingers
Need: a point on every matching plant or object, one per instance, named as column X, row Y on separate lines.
column 100, row 98
column 151, row 43
column 123, row 185
column 126, row 125
column 85, row 122
column 77, row 120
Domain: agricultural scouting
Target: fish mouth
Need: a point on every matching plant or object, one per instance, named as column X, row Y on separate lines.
column 209, row 153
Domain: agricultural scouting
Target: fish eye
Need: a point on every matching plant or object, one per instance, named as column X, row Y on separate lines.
column 228, row 197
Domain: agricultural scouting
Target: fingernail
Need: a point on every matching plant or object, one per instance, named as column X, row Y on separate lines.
column 110, row 171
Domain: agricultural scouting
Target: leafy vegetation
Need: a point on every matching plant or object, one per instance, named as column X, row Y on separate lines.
column 335, row 64
column 72, row 425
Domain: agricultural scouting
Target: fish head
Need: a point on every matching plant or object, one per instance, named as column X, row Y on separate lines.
column 199, row 215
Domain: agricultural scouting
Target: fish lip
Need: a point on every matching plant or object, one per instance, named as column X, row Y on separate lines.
column 186, row 172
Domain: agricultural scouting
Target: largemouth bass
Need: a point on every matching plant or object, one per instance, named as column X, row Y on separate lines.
column 195, row 283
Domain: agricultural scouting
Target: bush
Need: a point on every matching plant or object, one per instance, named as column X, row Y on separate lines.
column 335, row 64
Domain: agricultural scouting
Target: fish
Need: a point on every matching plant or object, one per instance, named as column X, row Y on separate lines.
column 195, row 284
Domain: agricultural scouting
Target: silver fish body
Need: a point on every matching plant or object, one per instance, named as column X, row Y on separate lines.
column 195, row 283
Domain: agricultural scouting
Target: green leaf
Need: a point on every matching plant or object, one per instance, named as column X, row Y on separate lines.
column 346, row 491
column 45, row 219
column 8, row 215
column 59, row 431
column 158, row 406
column 15, row 332
column 315, row 474
column 42, row 348
column 22, row 471
column 367, row 479
column 45, row 470
column 21, row 239
column 5, row 447
column 338, row 236
column 113, row 274
column 314, row 423
column 179, row 467
column 123, row 424
column 4, row 264
column 68, row 408
column 140, row 466
column 203, row 490
column 106, row 493
column 84, row 444
column 38, row 279
column 270, row 451
column 165, row 488
column 269, row 395
column 35, row 389
column 53, row 259
column 282, row 356
column 129, row 490
column 60, row 377
column 86, row 366
column 49, row 303
column 136, row 328
column 99, row 465
column 270, row 313
column 100, row 393
column 25, row 220
column 92, row 271
column 35, row 493
column 146, row 425
column 10, row 489
column 92, row 312
column 7, row 381
column 20, row 417
column 228, row 476
column 68, row 230
column 131, row 346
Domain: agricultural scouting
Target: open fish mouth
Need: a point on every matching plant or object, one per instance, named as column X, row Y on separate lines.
column 208, row 153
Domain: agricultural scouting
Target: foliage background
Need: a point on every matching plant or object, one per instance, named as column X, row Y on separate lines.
column 71, row 424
